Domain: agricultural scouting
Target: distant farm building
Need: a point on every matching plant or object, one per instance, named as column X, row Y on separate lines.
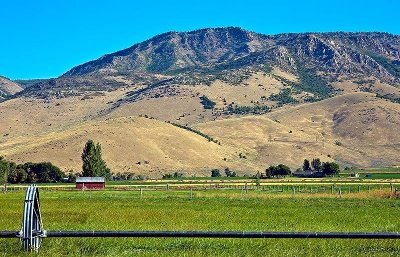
column 309, row 174
column 90, row 183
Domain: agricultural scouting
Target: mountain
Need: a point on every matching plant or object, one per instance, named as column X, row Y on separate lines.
column 25, row 83
column 174, row 51
column 334, row 54
column 232, row 55
column 8, row 88
column 272, row 98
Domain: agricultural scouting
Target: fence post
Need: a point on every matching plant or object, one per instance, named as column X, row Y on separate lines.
column 141, row 193
column 332, row 189
column 340, row 192
column 391, row 187
column 247, row 190
column 191, row 193
column 359, row 189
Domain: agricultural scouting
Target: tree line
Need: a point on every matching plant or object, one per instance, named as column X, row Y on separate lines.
column 43, row 172
column 46, row 172
column 281, row 170
column 94, row 166
column 328, row 168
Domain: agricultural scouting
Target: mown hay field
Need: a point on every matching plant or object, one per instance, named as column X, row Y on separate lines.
column 206, row 210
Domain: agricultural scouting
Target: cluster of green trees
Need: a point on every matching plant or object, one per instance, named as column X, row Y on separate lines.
column 390, row 97
column 257, row 109
column 206, row 102
column 228, row 173
column 328, row 168
column 283, row 97
column 312, row 83
column 127, row 176
column 393, row 67
column 46, row 172
column 175, row 175
column 43, row 172
column 280, row 170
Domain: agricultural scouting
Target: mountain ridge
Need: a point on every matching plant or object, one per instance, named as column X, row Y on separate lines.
column 243, row 38
column 230, row 54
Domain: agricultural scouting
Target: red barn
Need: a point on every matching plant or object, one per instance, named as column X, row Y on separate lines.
column 90, row 183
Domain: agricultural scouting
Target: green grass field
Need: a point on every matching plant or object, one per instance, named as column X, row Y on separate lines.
column 208, row 210
column 375, row 175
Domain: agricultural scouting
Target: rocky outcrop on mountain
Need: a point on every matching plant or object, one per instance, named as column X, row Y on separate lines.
column 174, row 51
column 326, row 52
column 229, row 54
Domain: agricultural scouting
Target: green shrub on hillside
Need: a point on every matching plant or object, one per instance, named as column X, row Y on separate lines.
column 257, row 109
column 312, row 83
column 283, row 97
column 389, row 97
column 206, row 102
column 393, row 67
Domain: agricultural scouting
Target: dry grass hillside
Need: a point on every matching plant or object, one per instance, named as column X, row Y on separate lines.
column 56, row 130
column 8, row 87
column 181, row 103
column 354, row 129
column 135, row 144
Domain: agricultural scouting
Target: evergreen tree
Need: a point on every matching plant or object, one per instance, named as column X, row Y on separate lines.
column 306, row 165
column 93, row 164
column 4, row 170
column 316, row 164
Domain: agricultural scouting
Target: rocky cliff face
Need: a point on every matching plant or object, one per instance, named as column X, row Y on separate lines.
column 330, row 53
column 173, row 51
column 202, row 56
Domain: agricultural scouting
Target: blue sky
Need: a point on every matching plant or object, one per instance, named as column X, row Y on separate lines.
column 45, row 38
